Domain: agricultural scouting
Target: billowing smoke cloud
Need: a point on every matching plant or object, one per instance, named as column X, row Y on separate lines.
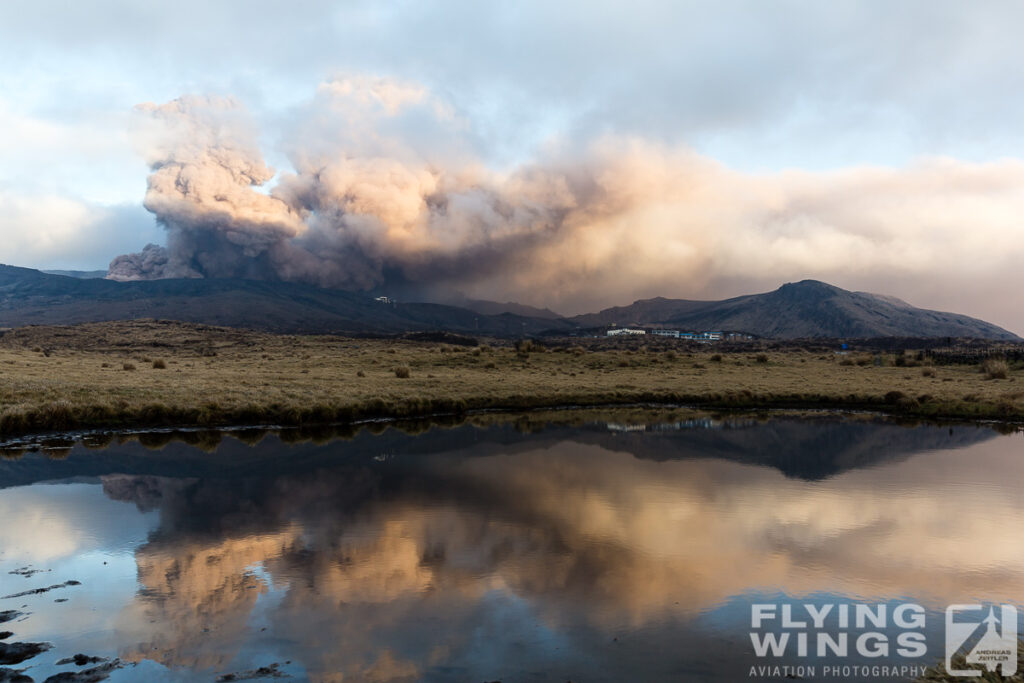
column 205, row 166
column 388, row 188
column 362, row 207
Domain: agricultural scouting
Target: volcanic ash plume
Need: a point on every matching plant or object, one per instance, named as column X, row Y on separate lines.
column 387, row 189
column 347, row 218
column 205, row 167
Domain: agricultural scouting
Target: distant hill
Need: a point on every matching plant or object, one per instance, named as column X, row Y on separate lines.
column 495, row 308
column 801, row 309
column 81, row 274
column 32, row 297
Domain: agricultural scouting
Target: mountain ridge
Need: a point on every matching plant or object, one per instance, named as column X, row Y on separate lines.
column 808, row 308
column 31, row 297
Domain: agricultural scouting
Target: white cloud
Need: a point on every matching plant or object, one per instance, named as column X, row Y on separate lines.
column 54, row 231
column 46, row 523
column 756, row 84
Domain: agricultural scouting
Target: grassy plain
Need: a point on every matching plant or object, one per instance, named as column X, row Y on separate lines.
column 146, row 373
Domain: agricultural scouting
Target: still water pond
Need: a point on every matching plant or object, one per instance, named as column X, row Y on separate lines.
column 577, row 548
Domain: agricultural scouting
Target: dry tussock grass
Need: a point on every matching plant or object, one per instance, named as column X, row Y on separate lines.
column 215, row 376
column 995, row 368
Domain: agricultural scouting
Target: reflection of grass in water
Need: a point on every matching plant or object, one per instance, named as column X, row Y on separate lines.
column 939, row 673
column 215, row 376
column 529, row 422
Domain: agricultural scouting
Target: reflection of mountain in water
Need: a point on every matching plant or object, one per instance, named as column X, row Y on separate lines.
column 588, row 552
column 806, row 449
column 480, row 555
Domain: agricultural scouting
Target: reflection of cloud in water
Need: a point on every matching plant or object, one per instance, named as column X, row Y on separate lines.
column 387, row 570
column 42, row 524
column 201, row 588
column 40, row 535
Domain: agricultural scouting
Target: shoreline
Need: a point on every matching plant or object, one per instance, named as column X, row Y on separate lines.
column 633, row 413
column 125, row 426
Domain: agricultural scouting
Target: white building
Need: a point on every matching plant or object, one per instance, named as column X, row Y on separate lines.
column 624, row 330
column 701, row 336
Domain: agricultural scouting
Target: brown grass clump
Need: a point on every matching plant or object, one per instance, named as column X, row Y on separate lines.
column 159, row 364
column 762, row 358
column 908, row 359
column 360, row 374
column 928, row 372
column 894, row 397
column 128, row 366
column 402, row 372
column 524, row 347
column 716, row 357
column 995, row 368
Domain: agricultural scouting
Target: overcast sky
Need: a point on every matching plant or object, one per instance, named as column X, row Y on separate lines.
column 791, row 98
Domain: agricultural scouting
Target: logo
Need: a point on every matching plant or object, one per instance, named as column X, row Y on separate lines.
column 838, row 640
column 992, row 639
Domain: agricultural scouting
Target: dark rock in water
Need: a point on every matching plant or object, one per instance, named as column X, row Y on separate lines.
column 81, row 660
column 271, row 671
column 13, row 676
column 27, row 571
column 16, row 653
column 37, row 591
column 93, row 675
column 9, row 615
column 4, row 635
